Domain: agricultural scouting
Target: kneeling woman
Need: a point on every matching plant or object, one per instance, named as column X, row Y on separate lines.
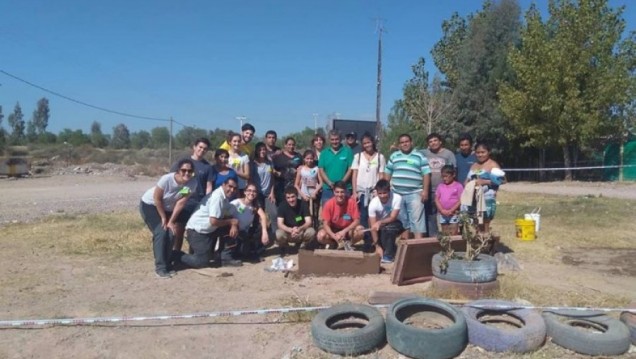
column 161, row 209
column 252, row 239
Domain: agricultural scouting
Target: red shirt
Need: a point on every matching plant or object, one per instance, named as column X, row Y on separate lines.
column 340, row 216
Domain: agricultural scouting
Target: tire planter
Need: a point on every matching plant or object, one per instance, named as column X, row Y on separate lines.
column 528, row 336
column 468, row 290
column 420, row 343
column 369, row 332
column 483, row 269
column 629, row 319
column 613, row 337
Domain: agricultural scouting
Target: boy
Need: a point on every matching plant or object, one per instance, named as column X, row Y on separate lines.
column 447, row 201
column 385, row 226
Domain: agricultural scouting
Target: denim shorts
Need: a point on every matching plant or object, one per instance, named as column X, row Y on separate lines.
column 448, row 219
column 412, row 213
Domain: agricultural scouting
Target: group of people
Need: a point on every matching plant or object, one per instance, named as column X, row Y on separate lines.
column 332, row 196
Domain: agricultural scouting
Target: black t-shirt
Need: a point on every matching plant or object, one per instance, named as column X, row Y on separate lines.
column 287, row 167
column 293, row 216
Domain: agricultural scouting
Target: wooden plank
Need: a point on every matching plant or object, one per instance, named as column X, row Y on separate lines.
column 337, row 253
column 318, row 264
column 415, row 257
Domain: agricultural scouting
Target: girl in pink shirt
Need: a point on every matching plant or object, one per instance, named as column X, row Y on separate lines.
column 447, row 201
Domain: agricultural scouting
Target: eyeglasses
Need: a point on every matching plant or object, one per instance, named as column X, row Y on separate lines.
column 186, row 171
column 250, row 191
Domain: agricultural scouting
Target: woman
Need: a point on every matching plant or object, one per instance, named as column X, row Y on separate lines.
column 238, row 160
column 480, row 172
column 317, row 145
column 244, row 209
column 367, row 168
column 261, row 172
column 285, row 165
column 221, row 170
column 161, row 209
column 309, row 184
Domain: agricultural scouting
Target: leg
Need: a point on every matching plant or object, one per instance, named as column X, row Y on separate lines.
column 356, row 235
column 388, row 234
column 308, row 235
column 201, row 245
column 431, row 216
column 324, row 238
column 417, row 214
column 403, row 217
column 161, row 238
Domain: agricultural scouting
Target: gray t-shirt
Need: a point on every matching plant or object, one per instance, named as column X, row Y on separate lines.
column 214, row 205
column 436, row 161
column 172, row 191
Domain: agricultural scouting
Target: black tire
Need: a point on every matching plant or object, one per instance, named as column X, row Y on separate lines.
column 483, row 269
column 526, row 338
column 630, row 321
column 420, row 343
column 366, row 337
column 613, row 338
column 468, row 290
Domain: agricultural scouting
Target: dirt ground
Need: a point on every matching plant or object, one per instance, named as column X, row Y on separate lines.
column 39, row 285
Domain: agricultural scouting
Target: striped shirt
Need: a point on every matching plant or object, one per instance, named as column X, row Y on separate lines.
column 406, row 171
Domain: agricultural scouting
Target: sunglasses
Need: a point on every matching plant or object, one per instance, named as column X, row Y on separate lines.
column 186, row 171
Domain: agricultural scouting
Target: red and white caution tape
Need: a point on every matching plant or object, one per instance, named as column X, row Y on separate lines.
column 564, row 168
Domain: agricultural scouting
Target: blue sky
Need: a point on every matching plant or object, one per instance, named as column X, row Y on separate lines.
column 206, row 62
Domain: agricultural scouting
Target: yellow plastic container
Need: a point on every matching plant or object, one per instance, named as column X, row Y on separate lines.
column 525, row 229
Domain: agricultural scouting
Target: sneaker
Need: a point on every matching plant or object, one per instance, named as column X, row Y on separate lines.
column 172, row 272
column 386, row 259
column 163, row 274
column 347, row 246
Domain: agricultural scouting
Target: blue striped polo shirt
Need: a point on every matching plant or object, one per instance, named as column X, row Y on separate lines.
column 406, row 170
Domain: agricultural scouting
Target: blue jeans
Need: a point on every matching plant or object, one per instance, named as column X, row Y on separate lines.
column 162, row 240
column 413, row 213
column 364, row 216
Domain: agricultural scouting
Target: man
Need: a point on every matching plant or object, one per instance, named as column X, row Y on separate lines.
column 437, row 157
column 334, row 165
column 352, row 141
column 270, row 143
column 294, row 221
column 385, row 226
column 465, row 157
column 247, row 134
column 409, row 174
column 204, row 176
column 209, row 222
column 340, row 220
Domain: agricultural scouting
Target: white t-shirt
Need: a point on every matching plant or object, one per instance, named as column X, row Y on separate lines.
column 368, row 170
column 244, row 214
column 215, row 205
column 172, row 191
column 382, row 211
column 237, row 163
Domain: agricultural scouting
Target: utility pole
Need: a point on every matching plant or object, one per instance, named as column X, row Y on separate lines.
column 241, row 119
column 378, row 98
column 315, row 123
column 170, row 144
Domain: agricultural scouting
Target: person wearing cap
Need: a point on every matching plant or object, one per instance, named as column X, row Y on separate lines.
column 247, row 134
column 351, row 139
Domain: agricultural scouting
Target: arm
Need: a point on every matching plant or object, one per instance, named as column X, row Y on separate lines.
column 176, row 211
column 281, row 225
column 438, row 204
column 325, row 179
column 347, row 175
column 354, row 183
column 308, row 223
column 220, row 222
column 208, row 187
column 262, row 218
column 297, row 184
column 426, row 186
column 243, row 171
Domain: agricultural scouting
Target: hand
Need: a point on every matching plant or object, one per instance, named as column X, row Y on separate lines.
column 295, row 232
column 424, row 196
column 264, row 239
column 164, row 223
column 354, row 195
column 234, row 222
column 233, row 231
column 305, row 197
column 340, row 236
column 172, row 227
column 271, row 197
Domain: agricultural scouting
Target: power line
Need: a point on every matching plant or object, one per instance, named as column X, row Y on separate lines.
column 85, row 103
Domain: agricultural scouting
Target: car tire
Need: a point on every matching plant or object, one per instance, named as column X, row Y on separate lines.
column 629, row 319
column 368, row 335
column 467, row 290
column 427, row 343
column 528, row 336
column 613, row 339
column 482, row 269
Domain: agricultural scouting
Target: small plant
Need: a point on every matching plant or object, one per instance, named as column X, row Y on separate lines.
column 476, row 241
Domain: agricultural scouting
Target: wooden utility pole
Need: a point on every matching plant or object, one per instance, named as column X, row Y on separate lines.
column 378, row 98
column 170, row 145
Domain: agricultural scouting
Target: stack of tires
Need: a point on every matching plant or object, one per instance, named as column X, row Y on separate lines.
column 471, row 279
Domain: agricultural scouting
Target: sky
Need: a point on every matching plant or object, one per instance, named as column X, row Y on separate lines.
column 205, row 63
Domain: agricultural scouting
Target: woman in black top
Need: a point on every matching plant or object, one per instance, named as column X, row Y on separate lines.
column 285, row 165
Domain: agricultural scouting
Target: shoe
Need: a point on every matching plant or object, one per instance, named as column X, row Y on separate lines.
column 347, row 246
column 172, row 272
column 231, row 262
column 386, row 259
column 163, row 274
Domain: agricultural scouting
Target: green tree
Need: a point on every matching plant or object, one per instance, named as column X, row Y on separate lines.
column 41, row 116
column 160, row 137
column 16, row 121
column 573, row 75
column 141, row 139
column 31, row 135
column 217, row 137
column 399, row 122
column 73, row 137
column 97, row 137
column 186, row 136
column 446, row 51
column 121, row 137
column 303, row 138
column 2, row 133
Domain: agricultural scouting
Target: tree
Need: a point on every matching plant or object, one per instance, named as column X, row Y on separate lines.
column 428, row 105
column 160, row 137
column 139, row 140
column 446, row 51
column 399, row 122
column 31, row 135
column 73, row 137
column 121, row 137
column 97, row 137
column 573, row 75
column 2, row 132
column 41, row 116
column 217, row 137
column 304, row 137
column 16, row 122
column 187, row 135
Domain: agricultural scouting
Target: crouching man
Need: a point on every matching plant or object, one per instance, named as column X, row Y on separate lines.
column 385, row 226
column 209, row 222
column 341, row 220
column 294, row 221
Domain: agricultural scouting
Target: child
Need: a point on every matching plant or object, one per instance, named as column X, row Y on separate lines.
column 447, row 201
column 308, row 183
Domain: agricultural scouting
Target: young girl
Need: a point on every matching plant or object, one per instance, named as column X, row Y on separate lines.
column 238, row 160
column 261, row 172
column 221, row 169
column 447, row 201
column 309, row 184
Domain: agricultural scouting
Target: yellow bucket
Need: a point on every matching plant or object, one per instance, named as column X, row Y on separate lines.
column 525, row 229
